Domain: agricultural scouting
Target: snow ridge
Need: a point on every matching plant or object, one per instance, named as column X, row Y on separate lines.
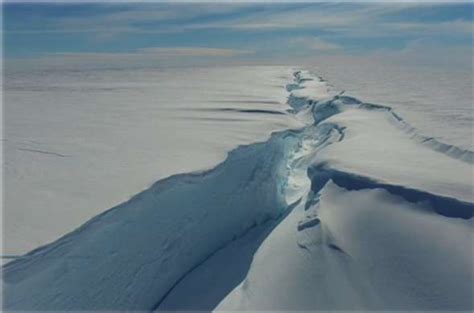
column 91, row 268
column 324, row 104
column 320, row 173
column 384, row 215
column 445, row 206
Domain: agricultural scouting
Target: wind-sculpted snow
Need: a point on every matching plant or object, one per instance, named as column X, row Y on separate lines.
column 353, row 211
column 130, row 256
column 81, row 142
column 384, row 216
column 445, row 206
column 360, row 250
column 338, row 104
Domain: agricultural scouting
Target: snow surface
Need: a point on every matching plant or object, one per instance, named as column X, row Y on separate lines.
column 370, row 251
column 78, row 143
column 395, row 159
column 372, row 248
column 353, row 210
column 437, row 100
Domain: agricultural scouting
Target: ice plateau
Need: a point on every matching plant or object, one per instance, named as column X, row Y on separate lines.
column 352, row 210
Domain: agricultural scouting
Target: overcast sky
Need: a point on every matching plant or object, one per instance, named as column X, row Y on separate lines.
column 165, row 32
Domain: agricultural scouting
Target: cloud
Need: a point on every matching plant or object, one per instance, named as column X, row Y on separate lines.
column 271, row 30
column 192, row 52
column 123, row 16
column 149, row 57
column 315, row 44
column 349, row 20
column 427, row 53
column 154, row 52
column 459, row 27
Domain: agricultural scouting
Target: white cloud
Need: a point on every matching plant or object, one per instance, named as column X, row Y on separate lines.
column 154, row 52
column 193, row 52
column 153, row 56
column 348, row 20
column 315, row 44
column 429, row 53
column 445, row 28
column 360, row 20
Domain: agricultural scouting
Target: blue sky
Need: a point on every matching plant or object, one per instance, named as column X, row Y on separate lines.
column 239, row 31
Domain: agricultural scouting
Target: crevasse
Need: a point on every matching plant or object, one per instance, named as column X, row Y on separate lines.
column 134, row 256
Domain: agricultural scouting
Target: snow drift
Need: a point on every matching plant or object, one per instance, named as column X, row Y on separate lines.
column 353, row 211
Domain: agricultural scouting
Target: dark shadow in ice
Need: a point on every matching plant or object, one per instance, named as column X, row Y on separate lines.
column 336, row 248
column 257, row 111
column 308, row 223
column 220, row 273
column 44, row 152
column 251, row 111
column 216, row 119
column 247, row 101
column 442, row 205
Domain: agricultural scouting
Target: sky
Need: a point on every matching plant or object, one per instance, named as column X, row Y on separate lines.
column 199, row 33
